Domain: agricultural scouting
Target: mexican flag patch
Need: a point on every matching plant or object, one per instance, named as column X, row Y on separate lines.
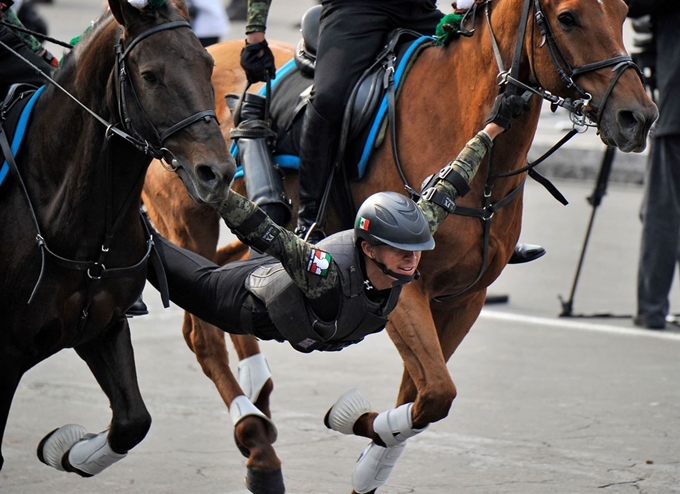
column 319, row 262
column 362, row 223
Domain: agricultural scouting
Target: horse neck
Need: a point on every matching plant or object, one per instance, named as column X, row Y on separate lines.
column 75, row 171
column 471, row 62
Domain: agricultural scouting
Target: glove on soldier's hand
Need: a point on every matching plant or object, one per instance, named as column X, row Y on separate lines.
column 505, row 108
column 258, row 62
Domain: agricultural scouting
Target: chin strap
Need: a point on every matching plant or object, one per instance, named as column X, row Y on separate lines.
column 401, row 279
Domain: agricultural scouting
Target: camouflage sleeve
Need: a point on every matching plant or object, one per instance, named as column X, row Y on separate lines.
column 312, row 269
column 256, row 21
column 466, row 164
column 28, row 39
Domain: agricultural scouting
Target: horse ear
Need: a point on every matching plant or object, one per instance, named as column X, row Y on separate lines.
column 121, row 10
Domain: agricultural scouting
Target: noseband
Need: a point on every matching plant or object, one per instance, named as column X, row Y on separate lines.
column 123, row 82
column 580, row 107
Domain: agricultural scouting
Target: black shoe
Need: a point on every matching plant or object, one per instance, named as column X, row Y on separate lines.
column 649, row 322
column 526, row 253
column 238, row 10
column 139, row 308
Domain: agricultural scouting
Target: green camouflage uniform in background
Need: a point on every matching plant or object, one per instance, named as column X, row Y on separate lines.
column 295, row 254
column 258, row 10
column 29, row 40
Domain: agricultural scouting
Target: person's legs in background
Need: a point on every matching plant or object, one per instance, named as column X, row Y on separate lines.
column 660, row 243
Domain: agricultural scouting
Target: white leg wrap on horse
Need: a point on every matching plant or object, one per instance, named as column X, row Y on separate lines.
column 241, row 407
column 93, row 455
column 59, row 442
column 253, row 372
column 346, row 411
column 396, row 426
column 374, row 466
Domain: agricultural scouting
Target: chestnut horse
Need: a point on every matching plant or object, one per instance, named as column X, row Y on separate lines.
column 74, row 249
column 571, row 48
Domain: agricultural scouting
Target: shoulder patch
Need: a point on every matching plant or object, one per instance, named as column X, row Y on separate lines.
column 319, row 262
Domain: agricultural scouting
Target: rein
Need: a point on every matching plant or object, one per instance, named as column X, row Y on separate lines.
column 580, row 111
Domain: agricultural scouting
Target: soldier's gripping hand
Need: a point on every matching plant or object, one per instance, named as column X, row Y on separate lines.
column 505, row 108
column 257, row 60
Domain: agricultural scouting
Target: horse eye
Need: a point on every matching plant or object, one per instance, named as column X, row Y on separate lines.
column 149, row 77
column 567, row 20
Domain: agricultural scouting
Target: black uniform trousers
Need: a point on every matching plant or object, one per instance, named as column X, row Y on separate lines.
column 214, row 293
column 352, row 33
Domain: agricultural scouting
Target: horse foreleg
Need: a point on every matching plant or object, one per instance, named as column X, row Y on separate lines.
column 254, row 432
column 254, row 375
column 426, row 394
column 110, row 357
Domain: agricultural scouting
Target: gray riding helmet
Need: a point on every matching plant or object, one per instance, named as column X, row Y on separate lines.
column 393, row 219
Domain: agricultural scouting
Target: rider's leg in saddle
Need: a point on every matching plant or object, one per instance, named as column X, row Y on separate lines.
column 264, row 180
column 318, row 146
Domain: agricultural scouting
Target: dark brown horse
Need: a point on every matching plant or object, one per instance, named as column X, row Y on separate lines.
column 571, row 48
column 74, row 251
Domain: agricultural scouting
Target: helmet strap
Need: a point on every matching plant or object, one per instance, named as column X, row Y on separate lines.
column 401, row 279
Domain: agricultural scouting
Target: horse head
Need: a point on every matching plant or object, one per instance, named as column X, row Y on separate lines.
column 575, row 49
column 160, row 56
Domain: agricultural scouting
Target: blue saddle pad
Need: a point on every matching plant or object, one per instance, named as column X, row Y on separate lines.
column 20, row 131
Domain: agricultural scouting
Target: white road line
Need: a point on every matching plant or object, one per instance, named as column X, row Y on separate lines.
column 583, row 326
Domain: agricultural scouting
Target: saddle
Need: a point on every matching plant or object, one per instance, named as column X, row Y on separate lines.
column 365, row 118
column 15, row 112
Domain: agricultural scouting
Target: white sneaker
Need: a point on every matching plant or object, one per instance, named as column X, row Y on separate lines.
column 374, row 466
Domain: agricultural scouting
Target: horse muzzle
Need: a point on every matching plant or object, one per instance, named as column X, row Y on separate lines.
column 206, row 182
column 628, row 128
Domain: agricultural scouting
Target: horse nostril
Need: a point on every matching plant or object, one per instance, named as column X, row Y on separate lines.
column 630, row 122
column 206, row 174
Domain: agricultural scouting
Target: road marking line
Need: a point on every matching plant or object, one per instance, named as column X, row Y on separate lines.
column 584, row 326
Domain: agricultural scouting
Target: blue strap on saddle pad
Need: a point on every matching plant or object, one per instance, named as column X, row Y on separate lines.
column 20, row 131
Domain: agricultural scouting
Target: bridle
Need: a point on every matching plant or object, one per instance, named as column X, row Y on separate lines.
column 125, row 88
column 579, row 107
column 96, row 270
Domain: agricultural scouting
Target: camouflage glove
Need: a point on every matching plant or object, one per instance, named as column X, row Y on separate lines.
column 258, row 62
column 505, row 108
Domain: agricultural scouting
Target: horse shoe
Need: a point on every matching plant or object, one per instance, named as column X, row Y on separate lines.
column 265, row 481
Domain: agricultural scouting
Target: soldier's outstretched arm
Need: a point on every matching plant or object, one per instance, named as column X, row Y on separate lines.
column 441, row 190
column 312, row 269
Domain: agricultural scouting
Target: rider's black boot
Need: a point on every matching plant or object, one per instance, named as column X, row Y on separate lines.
column 139, row 308
column 318, row 146
column 526, row 253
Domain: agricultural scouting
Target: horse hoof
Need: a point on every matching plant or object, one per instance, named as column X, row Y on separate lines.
column 342, row 416
column 53, row 446
column 265, row 481
column 374, row 467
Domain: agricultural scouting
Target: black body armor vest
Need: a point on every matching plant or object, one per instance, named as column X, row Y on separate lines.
column 290, row 312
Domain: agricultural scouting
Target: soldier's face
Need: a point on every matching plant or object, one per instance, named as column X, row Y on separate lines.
column 403, row 262
column 397, row 260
